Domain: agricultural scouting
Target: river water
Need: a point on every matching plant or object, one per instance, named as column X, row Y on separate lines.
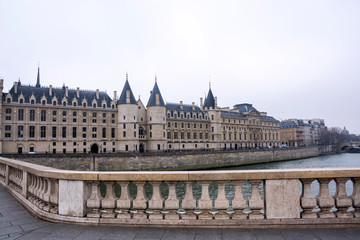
column 345, row 160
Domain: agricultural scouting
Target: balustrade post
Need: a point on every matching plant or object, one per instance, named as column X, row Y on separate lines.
column 172, row 203
column 343, row 202
column 308, row 202
column 24, row 185
column 356, row 197
column 140, row 202
column 238, row 203
column 221, row 202
column 205, row 203
column 72, row 196
column 325, row 201
column 256, row 204
column 94, row 201
column 156, row 202
column 54, row 195
column 124, row 202
column 109, row 202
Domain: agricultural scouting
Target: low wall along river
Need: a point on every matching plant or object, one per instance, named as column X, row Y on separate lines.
column 167, row 161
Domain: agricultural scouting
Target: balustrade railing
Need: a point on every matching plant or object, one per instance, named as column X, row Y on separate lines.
column 188, row 198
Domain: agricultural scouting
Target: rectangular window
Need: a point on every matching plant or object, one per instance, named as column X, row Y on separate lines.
column 182, row 135
column 124, row 134
column 20, row 131
column 74, row 132
column 104, row 132
column 94, row 114
column 195, row 135
column 54, row 113
column 42, row 131
column 175, row 135
column 134, row 134
column 53, row 132
column 84, row 114
column 31, row 131
column 64, row 132
column 43, row 115
column 124, row 126
column 64, row 113
column 74, row 114
column 168, row 135
column 188, row 135
column 112, row 132
column 8, row 111
column 200, row 135
column 206, row 136
column 150, row 134
column 104, row 115
column 21, row 115
column 32, row 115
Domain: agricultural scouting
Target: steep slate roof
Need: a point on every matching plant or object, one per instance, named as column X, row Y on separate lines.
column 152, row 99
column 122, row 99
column 268, row 118
column 209, row 100
column 288, row 124
column 59, row 93
column 175, row 107
column 231, row 114
column 245, row 107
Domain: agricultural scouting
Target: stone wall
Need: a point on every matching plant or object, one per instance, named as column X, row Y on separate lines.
column 167, row 161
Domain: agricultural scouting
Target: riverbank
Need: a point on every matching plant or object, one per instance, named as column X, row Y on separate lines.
column 175, row 161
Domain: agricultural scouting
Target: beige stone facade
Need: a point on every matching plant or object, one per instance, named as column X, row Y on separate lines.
column 37, row 119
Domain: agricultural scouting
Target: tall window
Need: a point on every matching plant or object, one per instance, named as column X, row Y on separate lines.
column 43, row 131
column 43, row 116
column 21, row 115
column 32, row 115
column 74, row 132
column 64, row 132
column 31, row 131
column 53, row 132
column 104, row 132
column 20, row 131
column 112, row 132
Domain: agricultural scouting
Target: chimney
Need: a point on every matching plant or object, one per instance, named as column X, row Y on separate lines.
column 201, row 102
column 127, row 96
column 215, row 102
column 181, row 105
column 66, row 91
column 115, row 95
column 50, row 90
column 157, row 99
column 97, row 94
column 15, row 87
column 1, row 84
column 193, row 106
column 77, row 92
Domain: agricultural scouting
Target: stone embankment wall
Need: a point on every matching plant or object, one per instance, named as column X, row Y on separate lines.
column 168, row 161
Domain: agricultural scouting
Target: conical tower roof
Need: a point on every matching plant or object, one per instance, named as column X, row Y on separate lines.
column 210, row 100
column 152, row 100
column 123, row 96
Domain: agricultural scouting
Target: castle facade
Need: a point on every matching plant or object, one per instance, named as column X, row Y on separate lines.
column 38, row 119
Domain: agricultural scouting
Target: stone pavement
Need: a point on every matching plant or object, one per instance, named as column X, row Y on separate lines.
column 17, row 223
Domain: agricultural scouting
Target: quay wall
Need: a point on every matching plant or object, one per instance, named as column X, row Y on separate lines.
column 167, row 161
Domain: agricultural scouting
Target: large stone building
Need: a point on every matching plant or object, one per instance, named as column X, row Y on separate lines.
column 62, row 120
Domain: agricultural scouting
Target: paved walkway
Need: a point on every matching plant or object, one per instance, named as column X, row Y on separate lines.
column 17, row 223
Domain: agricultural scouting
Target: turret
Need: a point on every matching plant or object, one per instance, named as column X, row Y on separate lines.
column 156, row 120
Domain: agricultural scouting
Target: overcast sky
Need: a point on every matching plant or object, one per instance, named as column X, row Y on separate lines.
column 291, row 59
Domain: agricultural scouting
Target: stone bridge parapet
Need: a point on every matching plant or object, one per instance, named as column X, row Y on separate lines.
column 239, row 198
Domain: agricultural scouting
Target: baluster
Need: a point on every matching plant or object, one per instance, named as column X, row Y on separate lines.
column 308, row 202
column 109, row 202
column 54, row 195
column 172, row 203
column 256, row 204
column 93, row 202
column 189, row 202
column 43, row 192
column 155, row 203
column 140, row 203
column 205, row 203
column 221, row 202
column 46, row 195
column 238, row 202
column 124, row 202
column 24, row 184
column 343, row 202
column 356, row 197
column 325, row 201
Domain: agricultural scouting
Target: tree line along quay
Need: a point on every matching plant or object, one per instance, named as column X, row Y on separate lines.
column 53, row 120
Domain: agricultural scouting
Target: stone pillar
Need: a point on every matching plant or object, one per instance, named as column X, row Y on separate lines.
column 94, row 201
column 205, row 203
column 343, row 202
column 356, row 197
column 155, row 203
column 24, row 185
column 256, row 204
column 325, row 201
column 72, row 198
column 308, row 202
column 282, row 199
column 109, row 201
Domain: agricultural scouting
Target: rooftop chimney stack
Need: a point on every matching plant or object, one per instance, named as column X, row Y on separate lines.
column 66, row 91
column 97, row 94
column 77, row 92
column 193, row 106
column 50, row 90
column 181, row 105
column 15, row 87
column 215, row 102
column 115, row 95
column 201, row 103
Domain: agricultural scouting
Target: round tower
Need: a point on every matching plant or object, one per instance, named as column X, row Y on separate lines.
column 156, row 121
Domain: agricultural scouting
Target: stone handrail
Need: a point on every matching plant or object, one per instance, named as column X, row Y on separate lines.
column 256, row 198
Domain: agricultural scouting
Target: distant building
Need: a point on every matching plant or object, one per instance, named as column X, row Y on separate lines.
column 62, row 120
column 301, row 132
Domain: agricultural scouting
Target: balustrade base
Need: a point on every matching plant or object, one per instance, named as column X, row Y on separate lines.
column 189, row 215
column 205, row 216
column 156, row 215
column 123, row 215
column 222, row 215
column 172, row 215
column 139, row 215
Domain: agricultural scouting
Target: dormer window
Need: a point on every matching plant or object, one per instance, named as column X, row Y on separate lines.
column 21, row 100
column 54, row 103
column 74, row 104
column 43, row 102
column 8, row 100
column 94, row 105
column 84, row 104
column 64, row 103
column 32, row 101
column 104, row 105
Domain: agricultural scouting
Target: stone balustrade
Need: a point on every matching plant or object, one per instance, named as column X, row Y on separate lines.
column 256, row 198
